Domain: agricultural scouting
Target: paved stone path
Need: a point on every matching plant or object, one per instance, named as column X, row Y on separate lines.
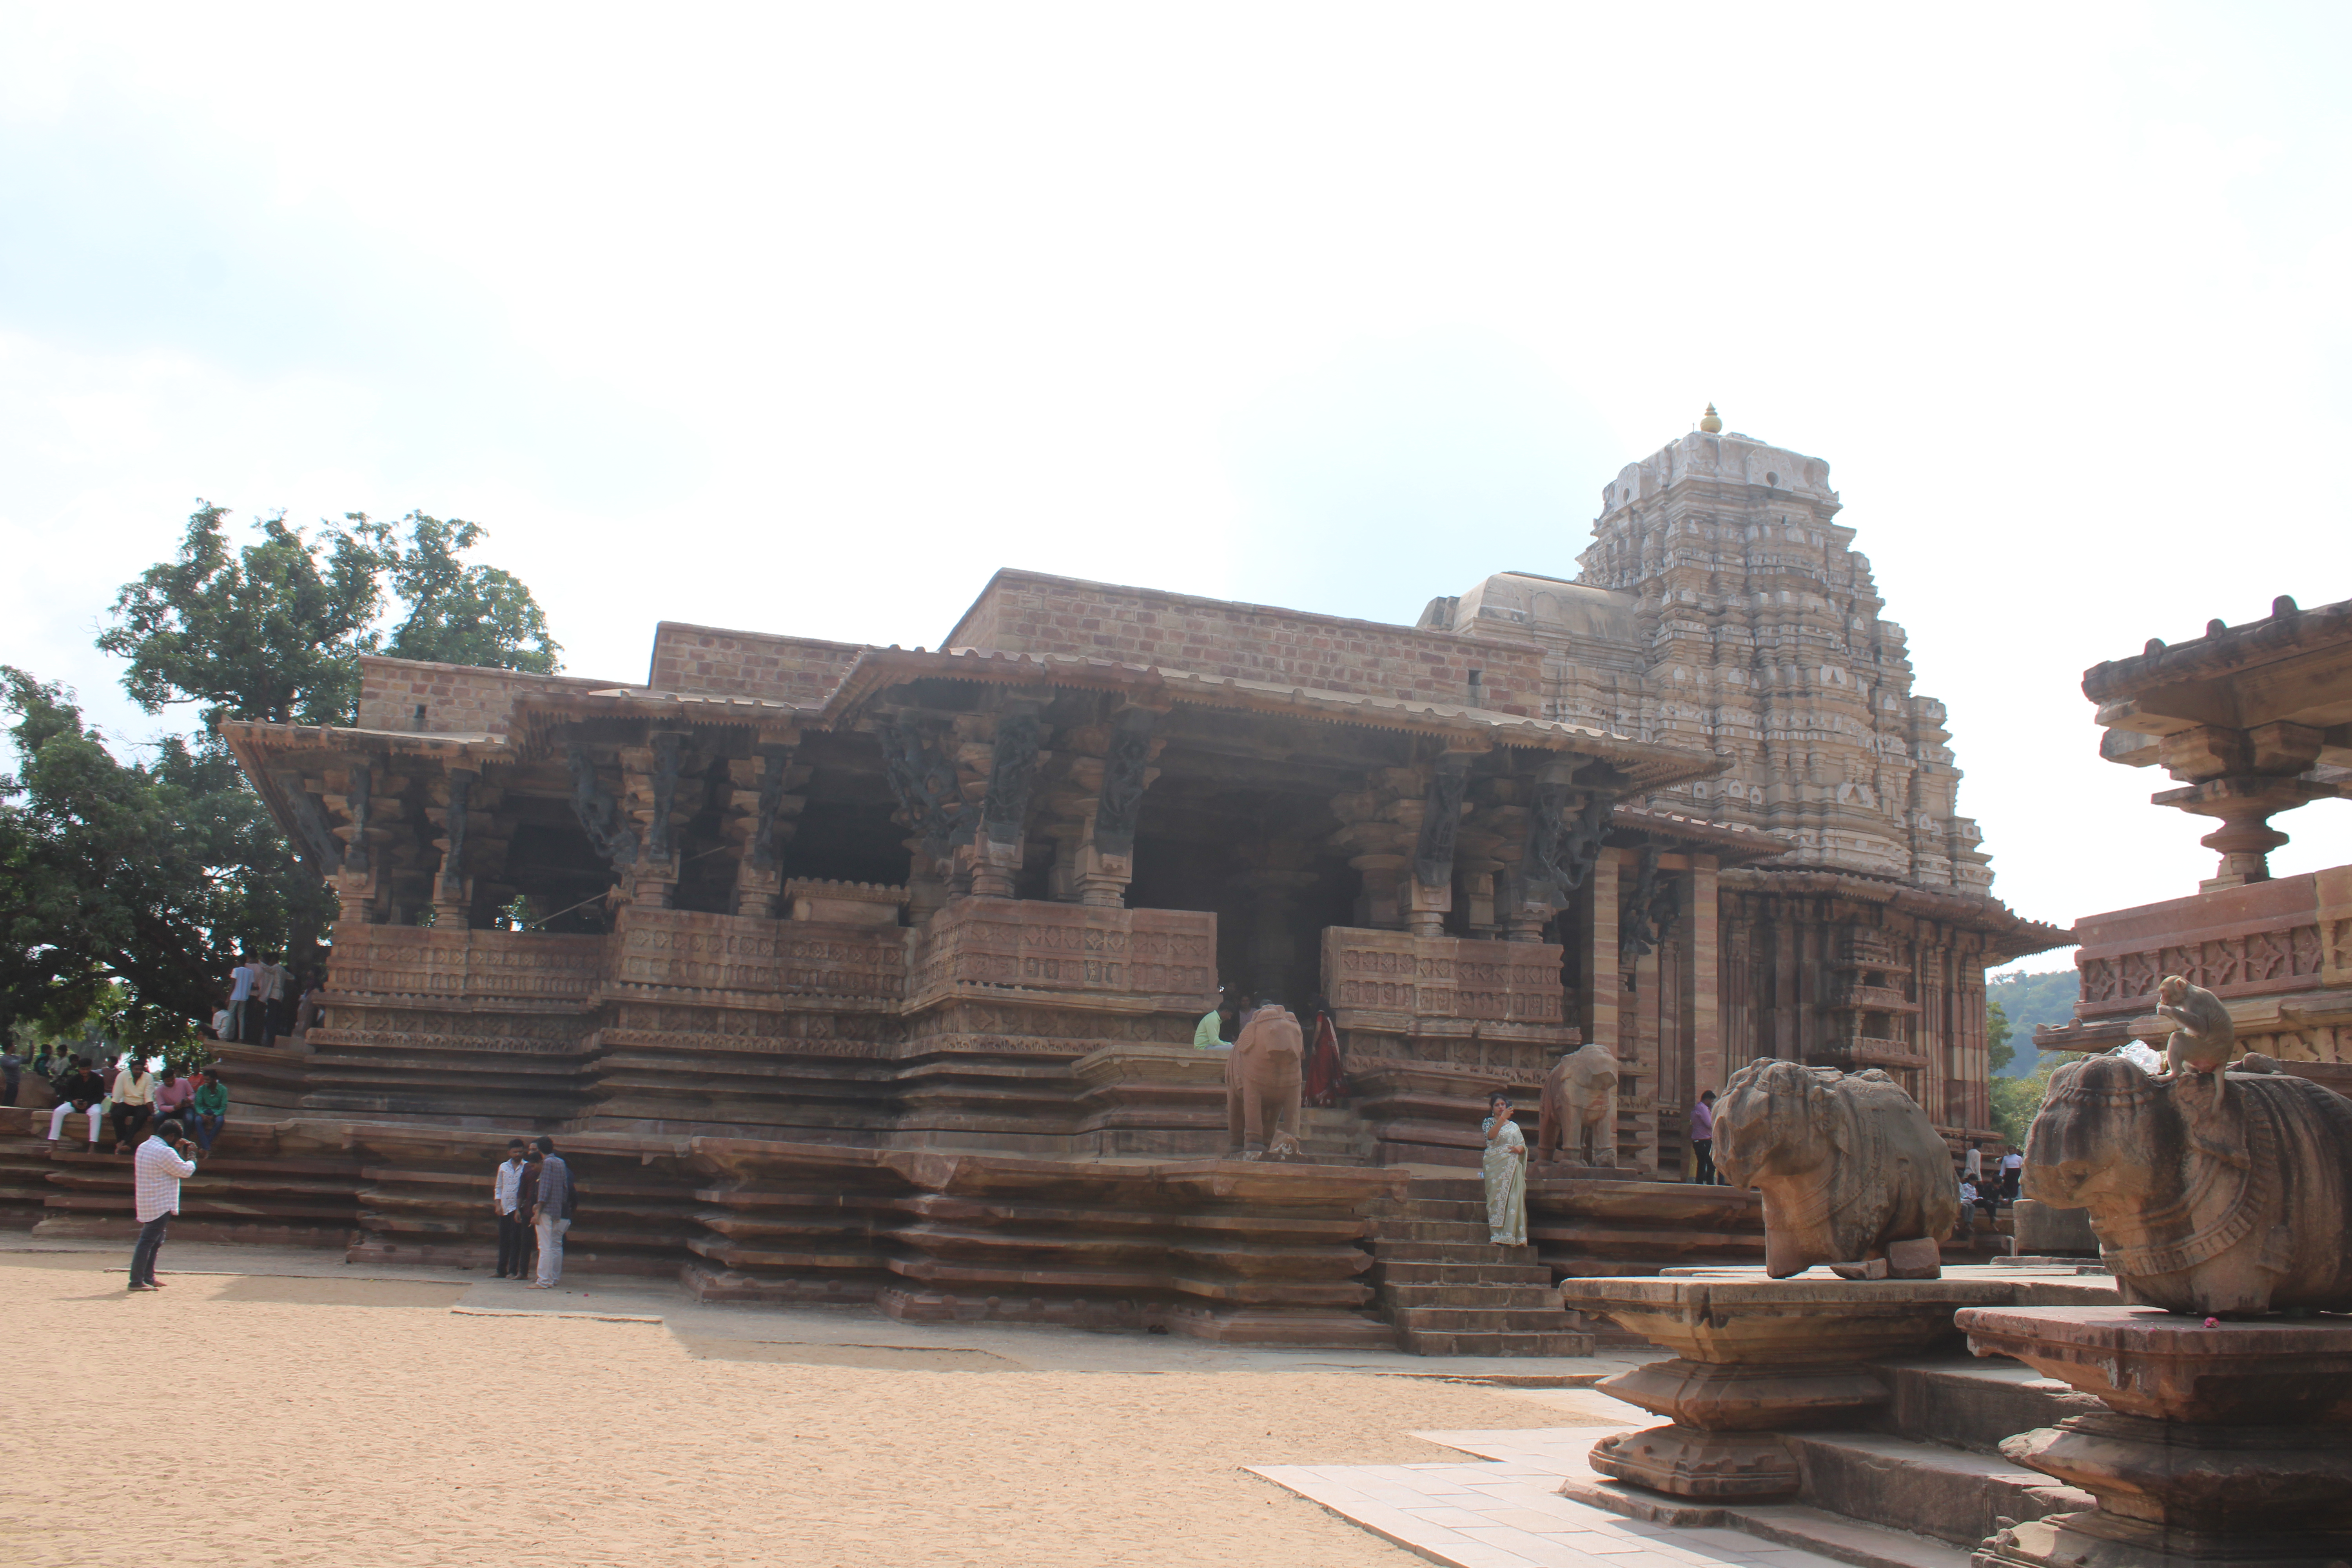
column 1508, row 1513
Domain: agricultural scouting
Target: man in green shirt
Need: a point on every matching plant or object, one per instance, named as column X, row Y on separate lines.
column 1209, row 1035
column 208, row 1109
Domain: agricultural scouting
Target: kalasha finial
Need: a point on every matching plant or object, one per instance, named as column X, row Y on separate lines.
column 1711, row 422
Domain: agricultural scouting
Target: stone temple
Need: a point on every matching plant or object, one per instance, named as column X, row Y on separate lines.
column 872, row 973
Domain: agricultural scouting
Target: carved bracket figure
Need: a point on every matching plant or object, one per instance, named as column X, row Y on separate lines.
column 1012, row 769
column 1648, row 918
column 669, row 748
column 1126, row 768
column 928, row 789
column 1848, row 1164
column 1440, row 822
column 600, row 814
column 317, row 840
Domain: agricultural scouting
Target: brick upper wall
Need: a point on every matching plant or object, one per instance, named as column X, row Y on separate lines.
column 724, row 663
column 1030, row 611
column 458, row 698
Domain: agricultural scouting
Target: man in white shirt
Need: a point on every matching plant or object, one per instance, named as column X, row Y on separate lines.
column 514, row 1235
column 156, row 1173
column 2013, row 1172
column 1972, row 1165
column 133, row 1098
column 240, row 999
column 273, row 993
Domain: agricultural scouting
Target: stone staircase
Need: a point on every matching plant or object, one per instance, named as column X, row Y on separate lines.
column 1447, row 1291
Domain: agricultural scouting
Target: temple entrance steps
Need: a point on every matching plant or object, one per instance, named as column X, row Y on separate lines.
column 1447, row 1291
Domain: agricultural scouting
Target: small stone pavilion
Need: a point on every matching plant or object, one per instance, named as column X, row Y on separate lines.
column 2250, row 722
column 838, row 923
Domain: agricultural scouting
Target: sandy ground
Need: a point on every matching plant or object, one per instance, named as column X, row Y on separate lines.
column 356, row 1421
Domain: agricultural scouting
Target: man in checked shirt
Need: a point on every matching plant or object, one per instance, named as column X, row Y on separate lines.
column 156, row 1172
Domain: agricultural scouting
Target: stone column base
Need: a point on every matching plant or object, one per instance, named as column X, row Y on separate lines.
column 1682, row 1461
column 2098, row 1540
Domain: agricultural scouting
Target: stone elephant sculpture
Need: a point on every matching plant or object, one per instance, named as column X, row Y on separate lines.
column 1580, row 1107
column 1264, row 1081
column 2220, row 1194
column 1848, row 1164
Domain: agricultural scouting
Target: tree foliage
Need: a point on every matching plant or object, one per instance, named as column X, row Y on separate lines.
column 128, row 889
column 1999, row 1052
column 132, row 886
column 273, row 631
column 2027, row 1001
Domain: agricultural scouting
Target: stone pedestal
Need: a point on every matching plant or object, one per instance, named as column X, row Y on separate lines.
column 1754, row 1358
column 2228, row 1444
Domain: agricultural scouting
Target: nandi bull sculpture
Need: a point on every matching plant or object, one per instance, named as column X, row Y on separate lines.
column 1848, row 1164
column 2216, row 1193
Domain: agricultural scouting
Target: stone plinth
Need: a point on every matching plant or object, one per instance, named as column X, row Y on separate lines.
column 1754, row 1358
column 2223, row 1444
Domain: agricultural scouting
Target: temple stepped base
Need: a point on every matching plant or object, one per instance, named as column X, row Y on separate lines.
column 1447, row 1291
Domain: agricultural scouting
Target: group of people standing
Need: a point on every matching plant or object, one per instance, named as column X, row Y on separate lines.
column 1987, row 1187
column 266, row 999
column 533, row 1196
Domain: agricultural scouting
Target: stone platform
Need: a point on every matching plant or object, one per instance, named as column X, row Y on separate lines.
column 2215, row 1442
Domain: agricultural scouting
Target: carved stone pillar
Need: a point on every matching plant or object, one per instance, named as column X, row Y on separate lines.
column 762, row 818
column 1379, row 827
column 923, row 774
column 357, row 888
column 650, row 777
column 453, row 890
column 1106, row 858
column 1430, row 891
column 1703, row 987
column 1015, row 751
column 1601, row 998
column 600, row 814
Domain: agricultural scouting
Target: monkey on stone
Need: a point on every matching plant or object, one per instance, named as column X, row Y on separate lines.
column 2203, row 1035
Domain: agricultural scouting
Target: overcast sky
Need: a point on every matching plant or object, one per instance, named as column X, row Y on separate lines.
column 808, row 318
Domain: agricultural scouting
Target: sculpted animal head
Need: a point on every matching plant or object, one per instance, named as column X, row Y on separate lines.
column 1774, row 1119
column 2105, row 1136
column 1591, row 1068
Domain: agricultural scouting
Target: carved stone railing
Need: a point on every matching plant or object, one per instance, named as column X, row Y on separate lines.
column 682, row 950
column 2265, row 939
column 372, row 962
column 1401, row 984
column 1162, row 959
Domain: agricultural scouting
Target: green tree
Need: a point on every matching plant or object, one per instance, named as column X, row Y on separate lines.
column 127, row 889
column 2017, row 1101
column 273, row 631
column 132, row 887
column 1999, row 1052
column 459, row 613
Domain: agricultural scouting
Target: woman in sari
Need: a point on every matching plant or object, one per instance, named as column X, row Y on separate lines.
column 1507, row 1176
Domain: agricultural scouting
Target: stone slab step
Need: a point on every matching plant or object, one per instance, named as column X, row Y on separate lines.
column 1482, row 1319
column 1458, row 1232
column 1397, row 1271
column 1449, row 1252
column 1900, row 1482
column 1965, row 1402
column 1502, row 1343
column 1494, row 1298
column 1783, row 1524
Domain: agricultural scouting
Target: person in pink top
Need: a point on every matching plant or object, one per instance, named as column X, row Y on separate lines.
column 172, row 1095
column 1702, row 1137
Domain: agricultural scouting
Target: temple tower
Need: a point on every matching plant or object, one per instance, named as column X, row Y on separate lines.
column 1721, row 605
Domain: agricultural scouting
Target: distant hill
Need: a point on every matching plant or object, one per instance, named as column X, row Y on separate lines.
column 2028, row 1000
